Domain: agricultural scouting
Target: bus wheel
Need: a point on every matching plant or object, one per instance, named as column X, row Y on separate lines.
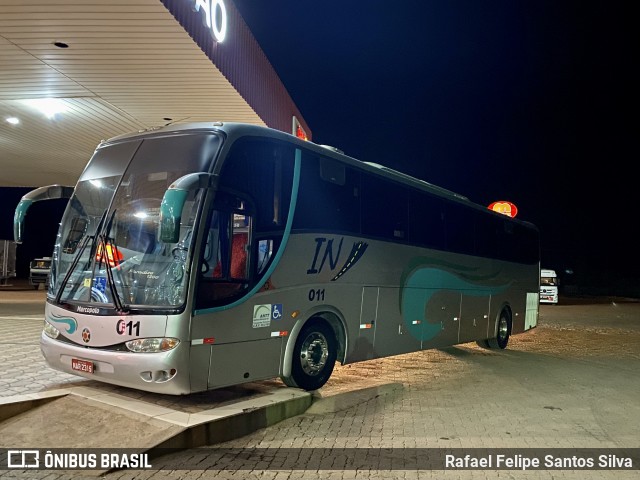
column 314, row 356
column 504, row 331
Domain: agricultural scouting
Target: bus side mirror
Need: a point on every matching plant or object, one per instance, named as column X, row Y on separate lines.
column 43, row 193
column 173, row 202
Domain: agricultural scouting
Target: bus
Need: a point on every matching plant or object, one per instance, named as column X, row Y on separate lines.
column 203, row 255
column 548, row 286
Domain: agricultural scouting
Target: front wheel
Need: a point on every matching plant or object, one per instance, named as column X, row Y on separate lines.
column 314, row 356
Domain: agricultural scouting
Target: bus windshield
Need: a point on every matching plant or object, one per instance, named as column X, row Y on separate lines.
column 108, row 251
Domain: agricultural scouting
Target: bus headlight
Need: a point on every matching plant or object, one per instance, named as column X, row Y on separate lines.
column 152, row 345
column 50, row 330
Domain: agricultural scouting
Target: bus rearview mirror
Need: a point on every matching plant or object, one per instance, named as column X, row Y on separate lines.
column 43, row 193
column 173, row 202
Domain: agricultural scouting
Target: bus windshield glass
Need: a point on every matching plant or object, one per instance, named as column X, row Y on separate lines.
column 108, row 252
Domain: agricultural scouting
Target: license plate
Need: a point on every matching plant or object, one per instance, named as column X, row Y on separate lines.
column 81, row 365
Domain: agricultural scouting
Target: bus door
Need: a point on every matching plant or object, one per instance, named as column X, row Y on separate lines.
column 226, row 326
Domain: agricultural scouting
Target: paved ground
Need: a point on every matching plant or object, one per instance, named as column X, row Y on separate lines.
column 571, row 383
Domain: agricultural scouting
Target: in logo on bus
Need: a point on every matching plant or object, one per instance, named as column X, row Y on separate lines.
column 326, row 249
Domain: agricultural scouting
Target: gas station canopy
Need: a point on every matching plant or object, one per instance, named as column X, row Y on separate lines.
column 75, row 72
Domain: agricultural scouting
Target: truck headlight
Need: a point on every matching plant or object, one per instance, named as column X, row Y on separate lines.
column 152, row 345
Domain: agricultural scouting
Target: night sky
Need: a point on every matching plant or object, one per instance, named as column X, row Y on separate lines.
column 533, row 102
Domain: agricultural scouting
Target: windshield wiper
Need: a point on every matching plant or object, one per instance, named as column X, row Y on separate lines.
column 101, row 244
column 76, row 259
column 72, row 268
column 104, row 242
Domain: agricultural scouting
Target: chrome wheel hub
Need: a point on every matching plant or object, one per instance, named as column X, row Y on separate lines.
column 314, row 353
column 503, row 328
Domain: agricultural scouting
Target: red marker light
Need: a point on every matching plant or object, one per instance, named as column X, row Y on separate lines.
column 298, row 130
column 300, row 133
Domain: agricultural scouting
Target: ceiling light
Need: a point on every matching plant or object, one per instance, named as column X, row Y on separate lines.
column 50, row 107
column 13, row 120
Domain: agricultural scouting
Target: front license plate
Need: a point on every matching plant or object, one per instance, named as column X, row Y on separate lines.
column 81, row 365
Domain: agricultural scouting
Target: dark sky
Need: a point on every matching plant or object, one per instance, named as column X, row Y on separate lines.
column 528, row 101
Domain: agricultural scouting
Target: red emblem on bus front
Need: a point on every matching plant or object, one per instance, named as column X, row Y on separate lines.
column 86, row 335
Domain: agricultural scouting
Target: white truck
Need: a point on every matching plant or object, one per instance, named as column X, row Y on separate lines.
column 39, row 269
column 548, row 286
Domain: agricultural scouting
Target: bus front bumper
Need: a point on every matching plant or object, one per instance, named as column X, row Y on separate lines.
column 164, row 372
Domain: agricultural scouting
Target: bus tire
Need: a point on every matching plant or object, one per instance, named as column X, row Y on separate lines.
column 314, row 356
column 503, row 331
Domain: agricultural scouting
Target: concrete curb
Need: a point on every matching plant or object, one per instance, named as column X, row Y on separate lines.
column 237, row 421
column 12, row 406
column 342, row 401
column 185, row 430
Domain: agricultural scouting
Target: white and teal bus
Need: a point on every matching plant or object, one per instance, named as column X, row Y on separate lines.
column 198, row 256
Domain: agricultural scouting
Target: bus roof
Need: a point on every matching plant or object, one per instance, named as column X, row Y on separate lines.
column 234, row 130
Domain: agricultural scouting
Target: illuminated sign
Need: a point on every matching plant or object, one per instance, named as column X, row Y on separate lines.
column 298, row 131
column 506, row 208
column 215, row 16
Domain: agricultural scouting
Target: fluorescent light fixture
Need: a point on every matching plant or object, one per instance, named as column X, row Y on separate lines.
column 50, row 107
column 13, row 120
column 140, row 214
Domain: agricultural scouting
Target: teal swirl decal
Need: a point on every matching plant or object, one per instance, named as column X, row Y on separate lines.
column 71, row 325
column 425, row 277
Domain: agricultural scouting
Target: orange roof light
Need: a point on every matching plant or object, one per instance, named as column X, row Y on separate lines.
column 504, row 207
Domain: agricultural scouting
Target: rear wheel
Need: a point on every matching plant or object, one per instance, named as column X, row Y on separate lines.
column 503, row 331
column 314, row 356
